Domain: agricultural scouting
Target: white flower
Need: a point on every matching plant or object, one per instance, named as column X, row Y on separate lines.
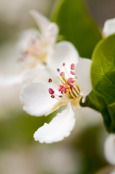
column 109, row 27
column 70, row 86
column 37, row 45
column 37, row 48
column 109, row 148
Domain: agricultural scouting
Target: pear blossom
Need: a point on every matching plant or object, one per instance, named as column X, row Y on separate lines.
column 35, row 45
column 109, row 149
column 37, row 48
column 109, row 27
column 67, row 86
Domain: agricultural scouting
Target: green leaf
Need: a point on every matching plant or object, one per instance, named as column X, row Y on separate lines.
column 103, row 79
column 91, row 101
column 106, row 87
column 77, row 26
column 103, row 59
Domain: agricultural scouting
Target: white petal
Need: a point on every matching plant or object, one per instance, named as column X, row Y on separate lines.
column 59, row 128
column 109, row 27
column 109, row 148
column 48, row 29
column 83, row 75
column 41, row 20
column 64, row 52
column 36, row 99
column 7, row 81
column 26, row 38
column 35, row 75
column 51, row 33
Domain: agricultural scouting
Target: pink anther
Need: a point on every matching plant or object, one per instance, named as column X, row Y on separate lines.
column 62, row 74
column 52, row 96
column 72, row 72
column 70, row 80
column 51, row 91
column 72, row 66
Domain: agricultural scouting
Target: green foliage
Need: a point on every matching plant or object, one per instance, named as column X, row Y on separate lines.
column 103, row 79
column 87, row 142
column 91, row 101
column 77, row 26
column 18, row 128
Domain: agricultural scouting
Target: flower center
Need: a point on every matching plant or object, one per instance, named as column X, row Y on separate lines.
column 68, row 89
column 36, row 51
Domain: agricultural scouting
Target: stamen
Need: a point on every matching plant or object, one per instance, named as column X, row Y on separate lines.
column 52, row 96
column 70, row 80
column 75, row 93
column 62, row 74
column 73, row 73
column 61, row 80
column 60, row 96
column 58, row 70
column 77, row 88
column 63, row 89
column 50, row 80
column 68, row 90
column 51, row 91
column 72, row 94
column 72, row 66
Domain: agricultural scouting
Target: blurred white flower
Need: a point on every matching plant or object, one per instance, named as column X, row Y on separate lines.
column 36, row 48
column 67, row 89
column 109, row 27
column 8, row 95
column 109, row 148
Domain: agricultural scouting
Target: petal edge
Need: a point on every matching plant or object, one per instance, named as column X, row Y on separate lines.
column 59, row 128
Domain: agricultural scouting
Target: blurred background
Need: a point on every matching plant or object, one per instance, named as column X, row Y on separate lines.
column 82, row 152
